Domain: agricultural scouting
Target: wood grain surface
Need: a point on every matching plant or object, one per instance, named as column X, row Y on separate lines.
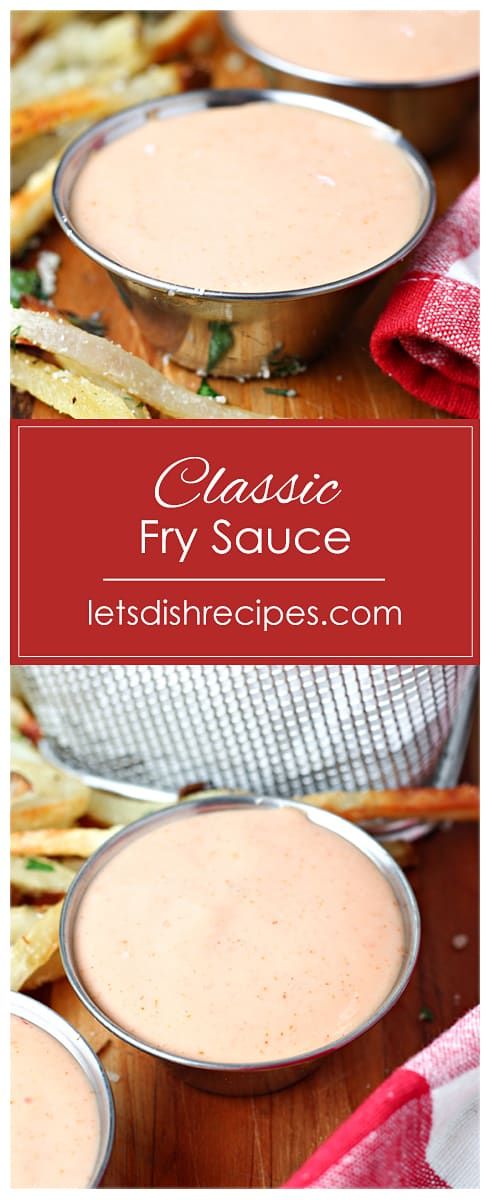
column 345, row 383
column 171, row 1135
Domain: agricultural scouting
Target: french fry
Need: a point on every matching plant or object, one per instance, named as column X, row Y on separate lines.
column 22, row 721
column 33, row 949
column 39, row 877
column 29, row 811
column 50, row 797
column 80, row 841
column 109, row 809
column 23, row 918
column 32, row 206
column 49, row 972
column 176, row 32
column 23, row 748
column 28, row 24
column 70, row 394
column 75, row 54
column 98, row 358
column 34, row 154
column 425, row 804
column 85, row 104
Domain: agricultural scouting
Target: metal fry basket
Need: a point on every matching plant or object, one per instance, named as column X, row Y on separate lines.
column 271, row 730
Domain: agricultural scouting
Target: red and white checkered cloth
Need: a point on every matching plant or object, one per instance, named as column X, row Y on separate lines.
column 428, row 336
column 420, row 1129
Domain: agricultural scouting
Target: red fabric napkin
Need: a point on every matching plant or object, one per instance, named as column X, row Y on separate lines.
column 428, row 336
column 418, row 1130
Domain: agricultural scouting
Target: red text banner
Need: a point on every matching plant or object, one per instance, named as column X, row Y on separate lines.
column 278, row 541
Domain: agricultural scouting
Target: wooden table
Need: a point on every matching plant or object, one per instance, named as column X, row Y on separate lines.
column 171, row 1135
column 345, row 383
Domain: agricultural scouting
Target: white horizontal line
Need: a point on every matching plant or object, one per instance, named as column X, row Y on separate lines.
column 234, row 579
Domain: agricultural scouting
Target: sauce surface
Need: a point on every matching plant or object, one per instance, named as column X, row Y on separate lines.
column 254, row 198
column 375, row 47
column 241, row 936
column 55, row 1125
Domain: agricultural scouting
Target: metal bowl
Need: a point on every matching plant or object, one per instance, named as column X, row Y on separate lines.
column 51, row 1022
column 242, row 1079
column 428, row 112
column 266, row 326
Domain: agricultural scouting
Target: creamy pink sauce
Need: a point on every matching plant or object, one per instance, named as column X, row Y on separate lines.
column 371, row 47
column 239, row 936
column 258, row 197
column 55, row 1127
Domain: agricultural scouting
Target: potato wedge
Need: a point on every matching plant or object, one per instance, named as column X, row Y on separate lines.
column 50, row 798
column 50, row 971
column 39, row 876
column 75, row 54
column 426, row 804
column 98, row 358
column 70, row 394
column 23, row 749
column 80, row 841
column 109, row 809
column 86, row 104
column 28, row 24
column 34, row 949
column 22, row 721
column 32, row 206
column 23, row 918
column 29, row 811
column 178, row 32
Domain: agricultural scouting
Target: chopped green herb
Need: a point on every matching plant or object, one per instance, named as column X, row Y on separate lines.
column 24, row 283
column 36, row 864
column 286, row 366
column 426, row 1014
column 206, row 390
column 281, row 391
column 15, row 334
column 220, row 342
column 91, row 324
column 136, row 406
column 283, row 364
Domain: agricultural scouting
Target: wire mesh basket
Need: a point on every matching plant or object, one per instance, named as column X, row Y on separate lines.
column 271, row 730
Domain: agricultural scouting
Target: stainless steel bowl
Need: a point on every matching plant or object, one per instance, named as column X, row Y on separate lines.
column 242, row 1079
column 267, row 328
column 51, row 1022
column 429, row 113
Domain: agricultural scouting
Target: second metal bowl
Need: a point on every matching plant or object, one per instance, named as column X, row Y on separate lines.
column 429, row 112
column 241, row 1079
column 268, row 329
column 50, row 1021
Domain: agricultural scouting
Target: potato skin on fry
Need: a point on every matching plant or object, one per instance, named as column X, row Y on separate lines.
column 50, row 879
column 99, row 359
column 47, row 795
column 177, row 32
column 92, row 102
column 34, row 949
column 80, row 841
column 32, row 206
column 425, row 804
column 70, row 394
